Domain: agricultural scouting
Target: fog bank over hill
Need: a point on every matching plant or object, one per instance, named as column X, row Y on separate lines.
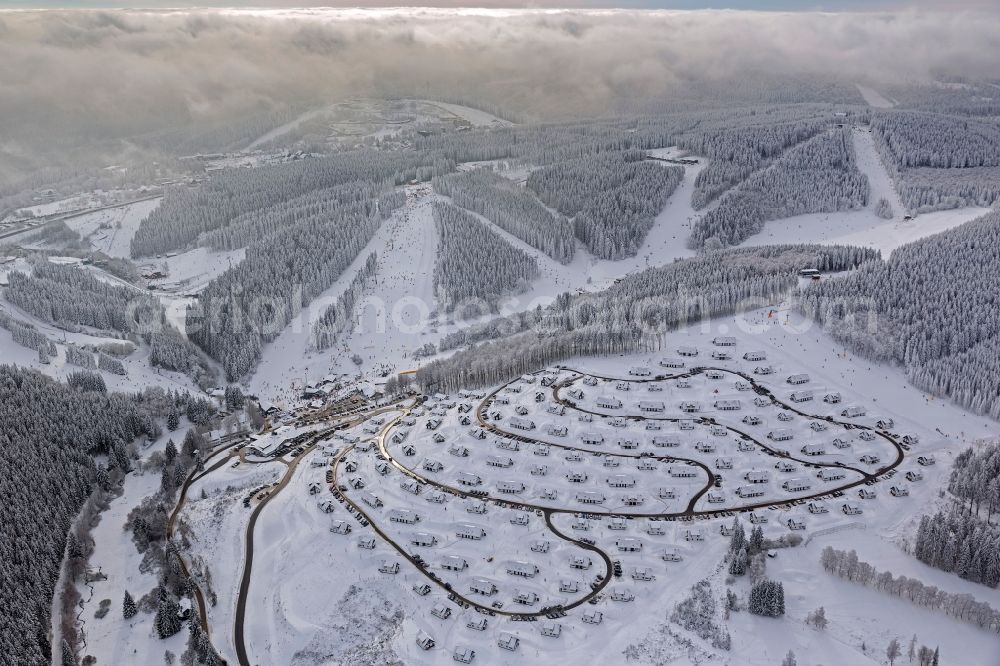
column 75, row 84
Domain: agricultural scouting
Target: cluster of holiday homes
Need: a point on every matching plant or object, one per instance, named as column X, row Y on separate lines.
column 722, row 341
column 610, row 402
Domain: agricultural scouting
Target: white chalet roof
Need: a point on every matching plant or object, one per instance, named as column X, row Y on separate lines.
column 465, row 529
column 523, row 424
column 521, row 567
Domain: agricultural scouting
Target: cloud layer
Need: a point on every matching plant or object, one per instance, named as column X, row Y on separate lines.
column 112, row 74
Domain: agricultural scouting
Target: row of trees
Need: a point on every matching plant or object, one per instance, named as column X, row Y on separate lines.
column 80, row 357
column 110, row 364
column 964, row 607
column 925, row 189
column 928, row 308
column 512, row 208
column 170, row 350
column 27, row 335
column 961, row 543
column 817, row 176
column 633, row 315
column 613, row 198
column 71, row 297
column 474, row 264
column 336, row 318
column 51, row 433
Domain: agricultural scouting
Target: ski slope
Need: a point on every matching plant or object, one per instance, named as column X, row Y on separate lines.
column 864, row 227
column 393, row 318
column 874, row 98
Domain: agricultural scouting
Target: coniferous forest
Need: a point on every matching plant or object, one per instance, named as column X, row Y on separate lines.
column 930, row 308
column 474, row 264
column 51, row 437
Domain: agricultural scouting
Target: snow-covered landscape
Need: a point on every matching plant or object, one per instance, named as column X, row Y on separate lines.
column 500, row 336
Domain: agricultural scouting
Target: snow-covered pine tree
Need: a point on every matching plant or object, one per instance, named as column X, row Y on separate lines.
column 738, row 539
column 129, row 609
column 738, row 562
column 167, row 620
column 173, row 419
column 756, row 542
column 883, row 209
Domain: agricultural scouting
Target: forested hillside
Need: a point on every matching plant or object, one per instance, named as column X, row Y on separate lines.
column 932, row 308
column 961, row 97
column 252, row 302
column 544, row 144
column 613, row 198
column 50, row 435
column 474, row 264
column 230, row 195
column 27, row 335
column 633, row 315
column 71, row 297
column 932, row 140
column 940, row 161
column 736, row 153
column 512, row 208
column 250, row 227
column 819, row 175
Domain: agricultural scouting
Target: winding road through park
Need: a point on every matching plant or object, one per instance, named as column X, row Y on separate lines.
column 358, row 414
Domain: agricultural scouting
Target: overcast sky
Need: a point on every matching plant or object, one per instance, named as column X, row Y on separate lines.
column 783, row 5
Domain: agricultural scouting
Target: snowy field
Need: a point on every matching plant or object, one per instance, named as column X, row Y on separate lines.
column 112, row 639
column 111, row 230
column 562, row 519
column 189, row 272
column 875, row 98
